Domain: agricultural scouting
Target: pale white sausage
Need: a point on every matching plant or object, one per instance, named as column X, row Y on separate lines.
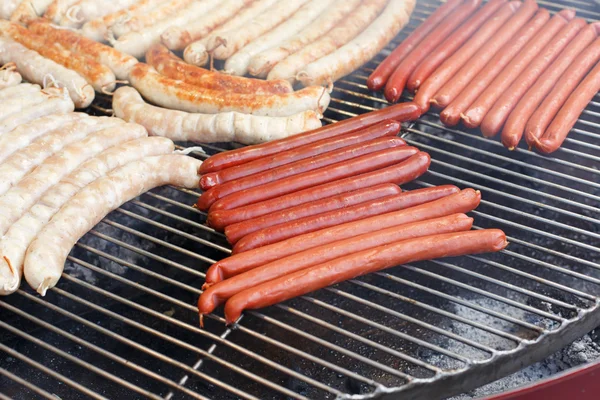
column 23, row 89
column 86, row 10
column 29, row 9
column 151, row 17
column 8, row 7
column 9, row 78
column 46, row 256
column 57, row 9
column 17, row 104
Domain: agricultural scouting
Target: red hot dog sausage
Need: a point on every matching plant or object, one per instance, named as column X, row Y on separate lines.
column 399, row 173
column 389, row 204
column 237, row 231
column 379, row 77
column 385, row 128
column 361, row 263
column 515, row 124
column 399, row 112
column 218, row 293
column 461, row 202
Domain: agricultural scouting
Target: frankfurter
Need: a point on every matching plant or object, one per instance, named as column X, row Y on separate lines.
column 399, row 112
column 462, row 202
column 398, row 174
column 383, row 129
column 314, row 223
column 237, row 231
column 217, row 294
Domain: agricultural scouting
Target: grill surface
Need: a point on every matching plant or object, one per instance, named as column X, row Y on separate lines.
column 122, row 321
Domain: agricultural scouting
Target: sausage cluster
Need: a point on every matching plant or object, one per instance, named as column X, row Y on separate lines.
column 324, row 206
column 506, row 67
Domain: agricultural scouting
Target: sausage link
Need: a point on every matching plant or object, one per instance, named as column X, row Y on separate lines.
column 336, row 157
column 379, row 77
column 515, row 124
column 461, row 202
column 541, row 118
column 339, row 170
column 397, row 80
column 386, row 205
column 497, row 115
column 465, row 75
column 476, row 111
column 399, row 112
column 449, row 67
column 450, row 116
column 385, row 128
column 398, row 173
column 219, row 293
column 237, row 231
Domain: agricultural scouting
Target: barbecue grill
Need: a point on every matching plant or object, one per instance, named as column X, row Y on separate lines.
column 122, row 322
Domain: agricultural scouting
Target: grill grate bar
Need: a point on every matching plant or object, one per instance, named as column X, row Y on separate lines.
column 37, row 390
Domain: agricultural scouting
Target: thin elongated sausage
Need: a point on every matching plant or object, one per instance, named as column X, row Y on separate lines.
column 541, row 118
column 385, row 128
column 173, row 94
column 18, row 96
column 450, row 116
column 86, row 10
column 14, row 243
column 398, row 174
column 399, row 112
column 449, row 67
column 209, row 128
column 496, row 116
column 506, row 33
column 173, row 67
column 8, row 7
column 357, row 212
column 57, row 9
column 462, row 202
column 237, row 231
column 343, row 169
column 29, row 10
column 17, row 105
column 397, row 80
column 21, row 90
column 361, row 263
column 46, row 256
column 217, row 294
column 336, row 157
column 516, row 121
column 159, row 12
column 379, row 77
column 475, row 112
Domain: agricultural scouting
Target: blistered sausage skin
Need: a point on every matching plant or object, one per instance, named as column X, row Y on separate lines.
column 217, row 294
column 386, row 205
column 461, row 202
column 399, row 174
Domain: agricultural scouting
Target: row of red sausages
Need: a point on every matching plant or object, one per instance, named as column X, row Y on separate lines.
column 325, row 206
column 504, row 67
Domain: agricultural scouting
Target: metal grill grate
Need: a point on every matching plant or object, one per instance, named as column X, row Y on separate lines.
column 122, row 321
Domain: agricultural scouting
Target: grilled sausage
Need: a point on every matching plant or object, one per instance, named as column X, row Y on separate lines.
column 17, row 105
column 159, row 12
column 237, row 231
column 496, row 116
column 18, row 91
column 397, row 80
column 57, row 9
column 9, row 77
column 29, row 10
column 449, row 67
column 86, row 10
column 386, row 205
column 219, row 293
column 398, row 174
column 379, row 77
column 475, row 112
column 461, row 202
column 361, row 263
column 399, row 112
column 515, row 123
column 8, row 7
column 385, row 128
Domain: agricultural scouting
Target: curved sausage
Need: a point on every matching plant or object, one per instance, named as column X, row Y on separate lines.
column 516, row 121
column 399, row 112
column 379, row 77
column 475, row 112
column 496, row 116
column 220, row 292
column 385, row 128
column 314, row 223
column 541, row 118
column 237, row 231
column 462, row 202
column 400, row 173
column 449, row 67
column 397, row 80
column 506, row 33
